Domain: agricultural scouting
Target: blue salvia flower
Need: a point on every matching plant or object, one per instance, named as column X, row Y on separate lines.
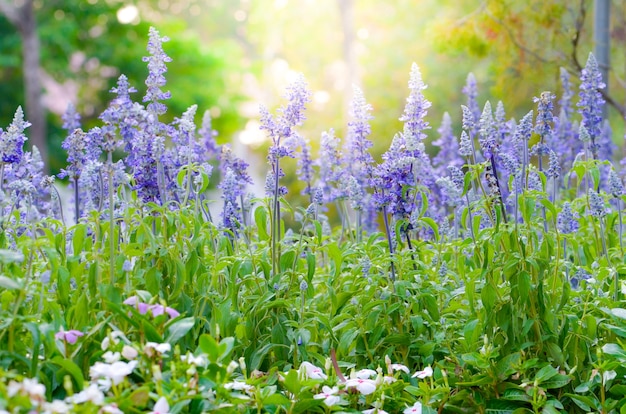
column 229, row 161
column 358, row 158
column 76, row 146
column 332, row 174
column 157, row 69
column 450, row 190
column 305, row 167
column 231, row 192
column 469, row 120
column 616, row 187
column 457, row 176
column 606, row 146
column 522, row 135
column 448, row 146
column 471, row 92
column 545, row 118
column 591, row 103
column 121, row 112
column 356, row 195
column 565, row 103
column 488, row 132
column 567, row 222
column 465, row 147
column 71, row 118
column 186, row 149
column 564, row 139
column 554, row 167
column 208, row 135
column 12, row 140
column 581, row 274
column 281, row 128
column 597, row 207
column 415, row 111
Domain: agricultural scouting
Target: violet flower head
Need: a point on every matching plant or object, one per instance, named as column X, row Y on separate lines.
column 70, row 336
column 358, row 158
column 465, row 148
column 208, row 134
column 469, row 120
column 450, row 190
column 71, row 118
column 616, row 187
column 591, row 103
column 415, row 111
column 331, row 169
column 523, row 132
column 554, row 166
column 545, row 118
column 605, row 145
column 76, row 146
column 449, row 147
column 597, row 207
column 305, row 166
column 565, row 103
column 470, row 90
column 231, row 191
column 156, row 71
column 567, row 221
column 12, row 140
column 488, row 132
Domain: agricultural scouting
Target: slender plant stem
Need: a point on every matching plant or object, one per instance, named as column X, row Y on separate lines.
column 390, row 242
column 111, row 219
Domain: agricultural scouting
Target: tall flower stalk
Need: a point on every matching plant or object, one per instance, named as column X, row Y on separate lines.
column 281, row 131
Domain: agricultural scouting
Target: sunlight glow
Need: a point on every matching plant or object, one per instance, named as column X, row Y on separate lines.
column 128, row 14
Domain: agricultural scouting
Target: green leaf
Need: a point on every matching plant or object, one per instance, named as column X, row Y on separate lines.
column 8, row 283
column 433, row 225
column 558, row 381
column 10, row 256
column 69, row 366
column 545, row 374
column 306, row 406
column 179, row 329
column 260, row 218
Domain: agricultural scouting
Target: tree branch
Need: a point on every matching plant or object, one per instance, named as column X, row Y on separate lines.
column 11, row 12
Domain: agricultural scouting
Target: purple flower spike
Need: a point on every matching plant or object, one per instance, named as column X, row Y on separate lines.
column 71, row 118
column 70, row 336
column 591, row 103
column 414, row 112
column 12, row 140
column 157, row 69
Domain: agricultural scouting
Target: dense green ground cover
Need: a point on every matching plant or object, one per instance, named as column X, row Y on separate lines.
column 496, row 291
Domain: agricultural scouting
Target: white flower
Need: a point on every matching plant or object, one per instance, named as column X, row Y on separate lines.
column 199, row 361
column 329, row 395
column 92, row 394
column 375, row 411
column 160, row 348
column 161, row 407
column 608, row 376
column 111, row 357
column 364, row 386
column 115, row 372
column 239, row 386
column 30, row 387
column 112, row 337
column 313, row 372
column 427, row 372
column 110, row 409
column 129, row 352
column 399, row 367
column 56, row 407
column 416, row 409
column 365, row 373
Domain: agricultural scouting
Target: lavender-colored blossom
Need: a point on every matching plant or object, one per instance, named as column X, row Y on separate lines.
column 605, row 145
column 597, row 207
column 12, row 140
column 470, row 90
column 591, row 103
column 522, row 135
column 70, row 336
column 305, row 166
column 457, row 176
column 208, row 134
column 355, row 194
column 583, row 134
column 331, row 170
column 71, row 118
column 545, row 118
column 231, row 192
column 450, row 190
column 449, row 147
column 156, row 71
column 554, row 167
column 567, row 222
column 616, row 187
column 565, row 103
column 465, row 147
column 488, row 132
column 581, row 274
column 358, row 158
column 76, row 146
column 469, row 120
column 414, row 112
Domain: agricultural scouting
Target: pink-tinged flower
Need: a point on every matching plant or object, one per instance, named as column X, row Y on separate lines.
column 415, row 409
column 162, row 349
column 91, row 393
column 364, row 386
column 313, row 372
column 239, row 386
column 70, row 336
column 129, row 352
column 427, row 372
column 30, row 387
column 56, row 407
column 110, row 409
column 399, row 367
column 161, row 407
column 112, row 373
column 329, row 395
column 155, row 310
column 375, row 411
column 365, row 373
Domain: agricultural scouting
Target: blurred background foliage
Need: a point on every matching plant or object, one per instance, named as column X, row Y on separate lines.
column 230, row 56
